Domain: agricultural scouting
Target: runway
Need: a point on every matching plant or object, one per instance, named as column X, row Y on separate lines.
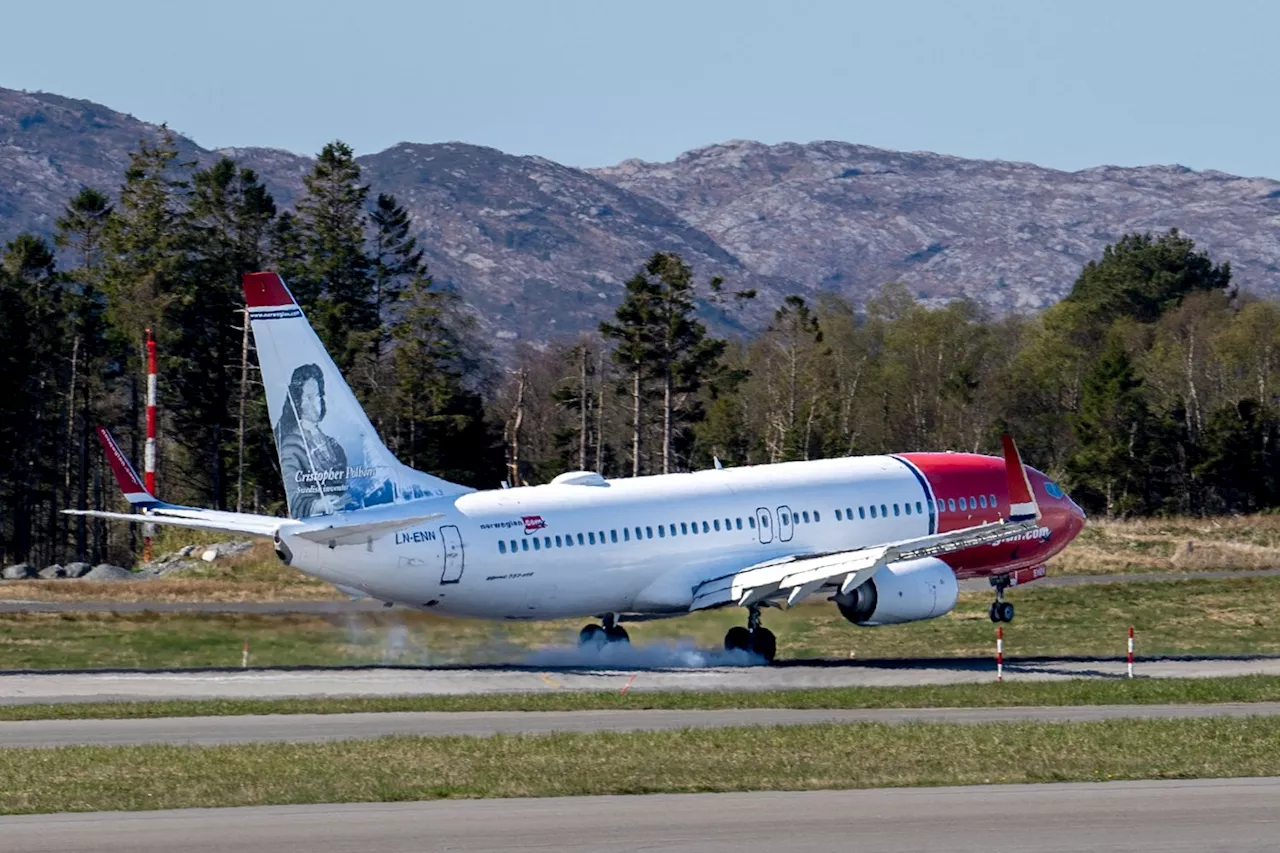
column 315, row 728
column 343, row 606
column 551, row 673
column 1191, row 816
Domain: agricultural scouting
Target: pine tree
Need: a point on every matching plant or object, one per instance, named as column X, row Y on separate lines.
column 81, row 231
column 336, row 286
column 206, row 362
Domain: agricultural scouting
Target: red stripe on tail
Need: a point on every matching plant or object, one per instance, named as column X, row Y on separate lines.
column 265, row 290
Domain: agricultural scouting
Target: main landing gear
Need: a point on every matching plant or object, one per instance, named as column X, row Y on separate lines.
column 754, row 638
column 599, row 636
column 1001, row 610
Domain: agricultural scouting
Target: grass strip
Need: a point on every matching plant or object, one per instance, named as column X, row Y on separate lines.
column 1237, row 616
column 776, row 758
column 1082, row 691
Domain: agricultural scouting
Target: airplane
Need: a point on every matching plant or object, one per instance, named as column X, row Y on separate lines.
column 883, row 537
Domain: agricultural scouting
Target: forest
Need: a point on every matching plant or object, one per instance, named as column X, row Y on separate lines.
column 1152, row 388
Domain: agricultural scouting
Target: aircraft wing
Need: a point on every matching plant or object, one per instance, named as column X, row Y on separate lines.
column 797, row 576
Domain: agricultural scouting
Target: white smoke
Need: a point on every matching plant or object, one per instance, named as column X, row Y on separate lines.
column 677, row 654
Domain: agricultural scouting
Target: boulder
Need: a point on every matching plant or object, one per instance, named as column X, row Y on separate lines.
column 77, row 570
column 54, row 571
column 224, row 549
column 19, row 571
column 108, row 572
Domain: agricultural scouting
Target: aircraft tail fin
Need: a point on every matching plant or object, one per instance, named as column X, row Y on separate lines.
column 331, row 457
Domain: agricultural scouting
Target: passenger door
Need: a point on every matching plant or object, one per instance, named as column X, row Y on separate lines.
column 785, row 527
column 764, row 526
column 454, row 558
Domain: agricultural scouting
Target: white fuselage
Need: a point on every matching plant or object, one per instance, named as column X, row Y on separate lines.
column 588, row 546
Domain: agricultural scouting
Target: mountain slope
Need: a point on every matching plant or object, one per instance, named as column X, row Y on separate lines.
column 540, row 249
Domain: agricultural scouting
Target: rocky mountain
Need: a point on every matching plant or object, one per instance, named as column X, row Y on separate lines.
column 540, row 249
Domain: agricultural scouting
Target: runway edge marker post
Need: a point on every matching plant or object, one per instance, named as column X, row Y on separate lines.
column 1131, row 651
column 1000, row 653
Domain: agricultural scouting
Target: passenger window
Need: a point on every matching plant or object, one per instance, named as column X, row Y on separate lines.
column 638, row 535
column 848, row 513
column 951, row 504
column 764, row 522
column 706, row 528
column 568, row 540
column 613, row 536
column 906, row 508
column 806, row 516
column 919, row 509
column 546, row 542
column 739, row 523
column 558, row 542
column 684, row 529
column 982, row 501
column 993, row 501
column 873, row 510
column 751, row 522
column 626, row 534
column 895, row 510
column 884, row 511
column 537, row 545
column 816, row 518
column 673, row 530
column 649, row 532
column 862, row 512
column 514, row 546
column 581, row 540
column 502, row 546
column 838, row 518
column 662, row 532
column 524, row 544
column 591, row 538
column 716, row 524
column 962, row 506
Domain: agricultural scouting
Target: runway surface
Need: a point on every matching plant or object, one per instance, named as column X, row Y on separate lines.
column 338, row 607
column 551, row 673
column 1194, row 816
column 314, row 728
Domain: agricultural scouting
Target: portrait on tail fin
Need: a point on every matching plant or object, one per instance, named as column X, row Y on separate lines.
column 313, row 463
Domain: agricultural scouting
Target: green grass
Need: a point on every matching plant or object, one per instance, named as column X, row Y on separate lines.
column 1240, row 615
column 778, row 758
column 1197, row 691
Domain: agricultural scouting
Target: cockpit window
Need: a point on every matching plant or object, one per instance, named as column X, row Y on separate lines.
column 1053, row 489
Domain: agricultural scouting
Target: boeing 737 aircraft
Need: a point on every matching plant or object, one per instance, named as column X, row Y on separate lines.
column 884, row 537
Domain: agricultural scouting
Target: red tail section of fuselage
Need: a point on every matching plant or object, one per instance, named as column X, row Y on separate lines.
column 969, row 489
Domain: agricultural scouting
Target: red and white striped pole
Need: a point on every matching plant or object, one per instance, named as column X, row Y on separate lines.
column 1000, row 653
column 1131, row 651
column 149, row 457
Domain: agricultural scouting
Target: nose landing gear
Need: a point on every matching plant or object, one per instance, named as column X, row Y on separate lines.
column 1001, row 610
column 599, row 636
column 754, row 638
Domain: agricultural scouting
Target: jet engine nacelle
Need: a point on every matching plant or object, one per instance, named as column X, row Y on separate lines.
column 902, row 592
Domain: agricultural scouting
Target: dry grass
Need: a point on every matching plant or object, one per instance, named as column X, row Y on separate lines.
column 255, row 575
column 1241, row 543
column 764, row 758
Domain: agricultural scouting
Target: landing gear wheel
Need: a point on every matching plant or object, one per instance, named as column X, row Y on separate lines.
column 617, row 634
column 764, row 643
column 738, row 639
column 1004, row 610
column 592, row 636
column 991, row 612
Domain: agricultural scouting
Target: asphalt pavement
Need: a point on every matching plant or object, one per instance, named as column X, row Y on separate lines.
column 1184, row 816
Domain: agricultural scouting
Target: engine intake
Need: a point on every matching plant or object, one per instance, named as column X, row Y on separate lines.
column 902, row 592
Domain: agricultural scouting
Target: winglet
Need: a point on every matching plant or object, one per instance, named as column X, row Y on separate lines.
column 1022, row 501
column 126, row 476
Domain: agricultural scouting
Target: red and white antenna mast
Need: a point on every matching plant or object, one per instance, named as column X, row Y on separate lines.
column 149, row 456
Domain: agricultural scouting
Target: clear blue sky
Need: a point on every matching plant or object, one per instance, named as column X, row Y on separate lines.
column 1064, row 84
